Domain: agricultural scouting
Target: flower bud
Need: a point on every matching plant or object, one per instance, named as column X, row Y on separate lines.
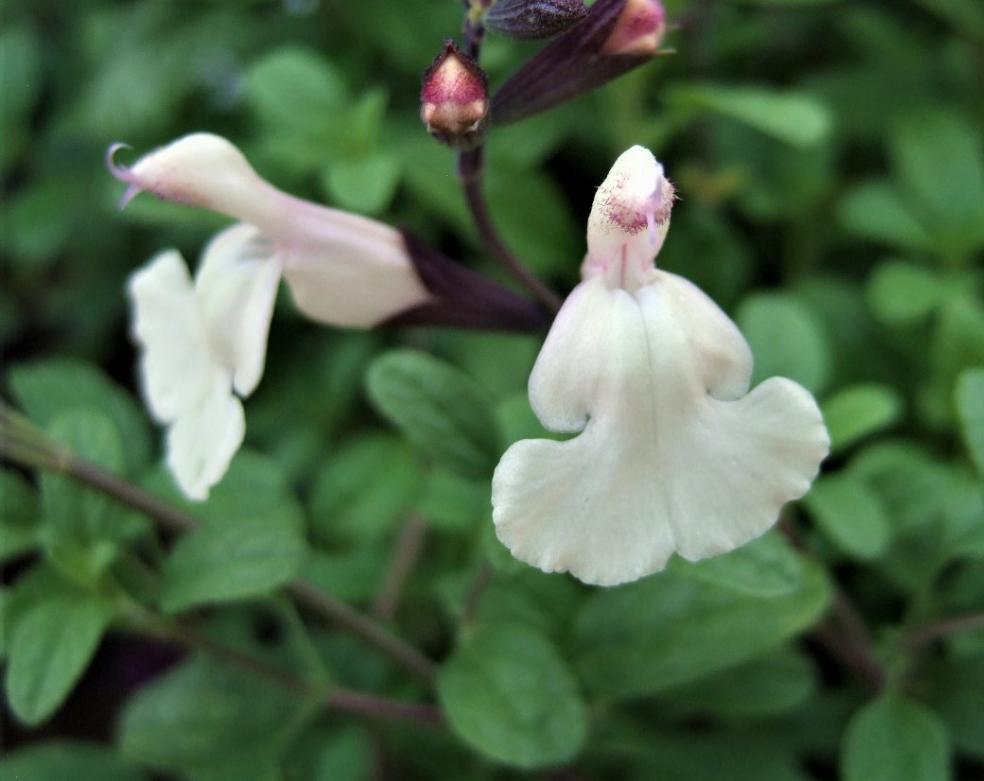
column 639, row 30
column 534, row 18
column 454, row 99
column 615, row 37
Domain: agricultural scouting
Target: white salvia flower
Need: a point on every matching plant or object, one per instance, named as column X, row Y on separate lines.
column 674, row 454
column 205, row 341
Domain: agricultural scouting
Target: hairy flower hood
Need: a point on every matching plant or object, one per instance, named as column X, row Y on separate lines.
column 674, row 453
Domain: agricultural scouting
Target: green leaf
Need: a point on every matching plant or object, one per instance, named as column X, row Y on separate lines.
column 251, row 540
column 353, row 574
column 875, row 211
column 508, row 693
column 938, row 160
column 851, row 514
column 440, row 410
column 50, row 648
column 531, row 598
column 60, row 760
column 5, row 597
column 20, row 72
column 83, row 528
column 858, row 411
column 766, row 567
column 958, row 343
column 347, row 756
column 452, row 502
column 956, row 697
column 365, row 489
column 895, row 739
column 911, row 483
column 19, row 528
column 294, row 88
column 202, row 715
column 709, row 754
column 668, row 630
column 364, row 184
column 901, row 293
column 795, row 118
column 38, row 222
column 546, row 244
column 46, row 389
column 775, row 683
column 786, row 339
column 970, row 410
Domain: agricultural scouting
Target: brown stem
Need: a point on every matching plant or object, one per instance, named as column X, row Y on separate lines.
column 305, row 593
column 845, row 635
column 362, row 704
column 481, row 581
column 405, row 553
column 944, row 627
column 470, row 169
column 337, row 698
column 316, row 601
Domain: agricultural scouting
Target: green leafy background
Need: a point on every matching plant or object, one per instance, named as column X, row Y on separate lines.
column 830, row 164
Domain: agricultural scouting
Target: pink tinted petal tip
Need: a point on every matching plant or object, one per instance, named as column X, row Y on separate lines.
column 122, row 173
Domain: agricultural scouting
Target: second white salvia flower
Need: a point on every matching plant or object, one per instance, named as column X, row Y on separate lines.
column 204, row 342
column 674, row 454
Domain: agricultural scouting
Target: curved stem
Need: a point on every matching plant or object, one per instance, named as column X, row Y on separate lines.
column 942, row 628
column 471, row 165
column 406, row 552
column 470, row 169
column 316, row 601
column 847, row 638
column 336, row 698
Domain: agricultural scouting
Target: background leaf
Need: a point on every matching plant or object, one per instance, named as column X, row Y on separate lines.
column 508, row 693
column 50, row 648
column 251, row 540
column 440, row 410
column 662, row 632
column 898, row 739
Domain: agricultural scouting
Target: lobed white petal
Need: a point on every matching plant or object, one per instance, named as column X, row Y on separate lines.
column 236, row 286
column 672, row 457
column 186, row 379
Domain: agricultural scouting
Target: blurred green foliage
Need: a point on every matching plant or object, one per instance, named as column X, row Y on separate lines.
column 829, row 160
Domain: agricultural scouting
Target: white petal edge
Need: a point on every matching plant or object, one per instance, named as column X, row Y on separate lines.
column 202, row 442
column 185, row 386
column 236, row 286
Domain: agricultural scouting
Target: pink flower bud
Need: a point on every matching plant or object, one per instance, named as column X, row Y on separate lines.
column 639, row 30
column 454, row 100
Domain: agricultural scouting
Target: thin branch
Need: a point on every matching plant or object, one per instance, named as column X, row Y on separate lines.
column 470, row 165
column 316, row 601
column 305, row 593
column 474, row 595
column 405, row 553
column 944, row 627
column 336, row 698
column 845, row 635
